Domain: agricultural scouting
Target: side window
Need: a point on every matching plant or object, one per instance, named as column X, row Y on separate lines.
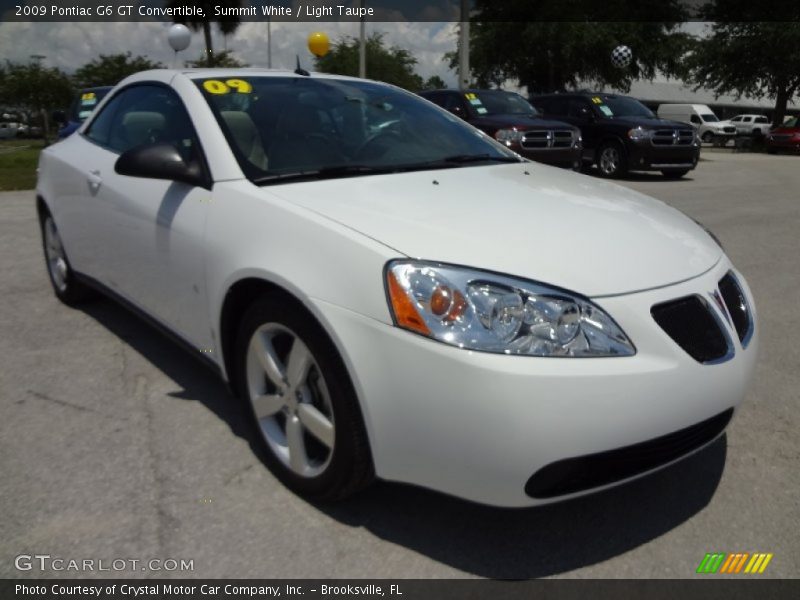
column 747, row 119
column 452, row 101
column 736, row 119
column 695, row 119
column 436, row 98
column 145, row 114
column 555, row 106
column 100, row 128
column 577, row 108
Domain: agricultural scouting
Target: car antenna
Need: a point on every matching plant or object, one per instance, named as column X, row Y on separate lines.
column 300, row 70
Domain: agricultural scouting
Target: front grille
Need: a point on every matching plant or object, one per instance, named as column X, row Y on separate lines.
column 594, row 470
column 558, row 138
column 690, row 323
column 738, row 309
column 672, row 137
column 729, row 129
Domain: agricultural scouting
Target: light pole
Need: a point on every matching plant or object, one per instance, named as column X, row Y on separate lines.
column 463, row 47
column 362, row 45
column 269, row 42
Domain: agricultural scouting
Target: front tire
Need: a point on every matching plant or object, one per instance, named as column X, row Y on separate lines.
column 707, row 137
column 611, row 160
column 65, row 286
column 301, row 401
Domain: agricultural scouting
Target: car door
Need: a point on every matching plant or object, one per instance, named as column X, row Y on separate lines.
column 153, row 251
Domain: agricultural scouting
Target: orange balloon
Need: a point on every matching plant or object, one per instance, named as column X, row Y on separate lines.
column 318, row 44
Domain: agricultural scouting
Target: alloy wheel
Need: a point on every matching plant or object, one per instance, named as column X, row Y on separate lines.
column 56, row 259
column 609, row 160
column 290, row 399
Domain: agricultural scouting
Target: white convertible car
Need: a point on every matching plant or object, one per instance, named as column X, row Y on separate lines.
column 395, row 294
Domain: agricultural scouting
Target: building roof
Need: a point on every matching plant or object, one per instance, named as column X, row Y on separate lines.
column 674, row 91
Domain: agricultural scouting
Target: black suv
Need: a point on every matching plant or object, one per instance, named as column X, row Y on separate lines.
column 621, row 134
column 511, row 120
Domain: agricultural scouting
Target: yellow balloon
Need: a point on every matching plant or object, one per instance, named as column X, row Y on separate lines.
column 318, row 44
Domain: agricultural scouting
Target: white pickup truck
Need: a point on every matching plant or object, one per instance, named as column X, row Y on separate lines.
column 751, row 124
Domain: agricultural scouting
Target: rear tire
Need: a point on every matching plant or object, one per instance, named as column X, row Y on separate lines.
column 675, row 174
column 707, row 137
column 65, row 285
column 611, row 160
column 301, row 401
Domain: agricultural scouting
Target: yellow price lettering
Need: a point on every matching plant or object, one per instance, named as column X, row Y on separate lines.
column 240, row 86
column 87, row 96
column 215, row 86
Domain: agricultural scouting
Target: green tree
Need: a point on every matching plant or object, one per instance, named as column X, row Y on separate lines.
column 434, row 82
column 757, row 59
column 35, row 90
column 393, row 65
column 221, row 59
column 111, row 69
column 227, row 24
column 551, row 46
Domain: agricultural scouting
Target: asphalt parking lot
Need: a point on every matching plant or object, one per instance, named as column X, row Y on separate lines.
column 114, row 443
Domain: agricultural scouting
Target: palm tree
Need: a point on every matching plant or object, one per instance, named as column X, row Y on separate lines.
column 227, row 25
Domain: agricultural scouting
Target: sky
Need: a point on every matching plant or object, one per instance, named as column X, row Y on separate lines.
column 70, row 45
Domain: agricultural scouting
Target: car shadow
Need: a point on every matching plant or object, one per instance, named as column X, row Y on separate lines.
column 479, row 540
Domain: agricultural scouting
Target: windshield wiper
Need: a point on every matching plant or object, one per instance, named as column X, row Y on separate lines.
column 324, row 173
column 355, row 170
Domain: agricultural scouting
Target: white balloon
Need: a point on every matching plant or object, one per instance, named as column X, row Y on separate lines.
column 179, row 37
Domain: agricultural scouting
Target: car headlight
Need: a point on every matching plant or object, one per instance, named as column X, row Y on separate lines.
column 509, row 136
column 578, row 141
column 484, row 311
column 639, row 133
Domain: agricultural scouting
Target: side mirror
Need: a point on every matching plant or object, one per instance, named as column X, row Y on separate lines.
column 159, row 161
column 60, row 117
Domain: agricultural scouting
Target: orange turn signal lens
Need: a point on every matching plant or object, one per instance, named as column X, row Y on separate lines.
column 405, row 313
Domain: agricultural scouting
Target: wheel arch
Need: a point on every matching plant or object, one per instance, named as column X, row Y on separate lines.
column 240, row 294
column 605, row 140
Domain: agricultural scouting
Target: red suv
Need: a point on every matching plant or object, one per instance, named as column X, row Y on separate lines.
column 785, row 137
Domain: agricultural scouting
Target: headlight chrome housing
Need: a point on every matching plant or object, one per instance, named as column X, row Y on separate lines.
column 509, row 136
column 483, row 311
column 639, row 133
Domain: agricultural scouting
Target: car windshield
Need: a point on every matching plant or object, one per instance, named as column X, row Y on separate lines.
column 621, row 106
column 85, row 103
column 793, row 122
column 292, row 128
column 496, row 102
column 709, row 118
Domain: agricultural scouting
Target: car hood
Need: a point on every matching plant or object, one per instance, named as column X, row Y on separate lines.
column 785, row 130
column 521, row 122
column 552, row 226
column 646, row 123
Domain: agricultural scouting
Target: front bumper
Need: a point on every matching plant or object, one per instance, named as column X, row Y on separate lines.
column 569, row 158
column 644, row 156
column 479, row 425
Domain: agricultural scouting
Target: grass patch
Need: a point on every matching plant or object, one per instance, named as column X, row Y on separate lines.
column 18, row 160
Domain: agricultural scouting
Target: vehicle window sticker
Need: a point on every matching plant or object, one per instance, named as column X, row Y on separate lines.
column 597, row 100
column 215, row 86
column 606, row 111
column 481, row 110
